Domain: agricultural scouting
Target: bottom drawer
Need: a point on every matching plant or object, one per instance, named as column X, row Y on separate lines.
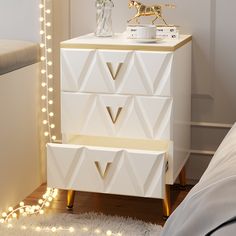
column 108, row 165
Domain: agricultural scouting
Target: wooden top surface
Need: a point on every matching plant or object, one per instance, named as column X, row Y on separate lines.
column 119, row 42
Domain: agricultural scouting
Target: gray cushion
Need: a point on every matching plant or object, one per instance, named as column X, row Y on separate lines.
column 16, row 54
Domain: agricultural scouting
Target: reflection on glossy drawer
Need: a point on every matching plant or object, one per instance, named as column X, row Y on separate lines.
column 106, row 170
column 116, row 115
column 122, row 72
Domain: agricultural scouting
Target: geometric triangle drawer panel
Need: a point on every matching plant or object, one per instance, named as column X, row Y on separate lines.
column 127, row 116
column 121, row 72
column 106, row 170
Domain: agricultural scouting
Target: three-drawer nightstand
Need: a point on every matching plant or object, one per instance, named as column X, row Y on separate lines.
column 125, row 117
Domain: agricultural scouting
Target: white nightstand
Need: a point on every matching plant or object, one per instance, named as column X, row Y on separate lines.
column 125, row 117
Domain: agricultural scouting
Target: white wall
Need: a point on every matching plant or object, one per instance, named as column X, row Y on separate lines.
column 19, row 19
column 213, row 78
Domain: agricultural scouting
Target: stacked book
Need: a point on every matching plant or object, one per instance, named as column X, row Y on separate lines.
column 167, row 32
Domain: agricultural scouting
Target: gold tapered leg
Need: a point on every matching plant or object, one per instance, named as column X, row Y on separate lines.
column 70, row 199
column 166, row 203
column 182, row 178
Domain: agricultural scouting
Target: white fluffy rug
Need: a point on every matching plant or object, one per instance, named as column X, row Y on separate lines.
column 82, row 225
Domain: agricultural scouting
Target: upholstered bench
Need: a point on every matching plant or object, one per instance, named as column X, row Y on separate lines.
column 16, row 54
column 19, row 104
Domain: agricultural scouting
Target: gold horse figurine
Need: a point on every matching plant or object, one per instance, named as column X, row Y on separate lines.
column 143, row 10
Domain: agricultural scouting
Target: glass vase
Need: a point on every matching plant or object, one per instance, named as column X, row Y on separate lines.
column 104, row 18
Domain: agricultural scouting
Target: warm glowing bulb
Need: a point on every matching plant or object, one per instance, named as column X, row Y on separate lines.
column 46, row 134
column 42, row 45
column 2, row 221
column 21, row 211
column 97, row 231
column 38, row 229
column 9, row 226
column 42, row 58
column 41, row 32
column 10, row 209
column 49, row 37
column 48, row 24
column 43, row 84
column 43, row 97
column 24, row 214
column 14, row 215
column 50, row 76
column 4, row 214
column 45, row 122
column 43, row 71
column 49, row 199
column 41, row 6
column 40, row 201
column 50, row 102
column 54, row 138
column 109, row 233
column 119, row 234
column 54, row 229
column 22, row 204
column 44, row 109
column 41, row 212
column 49, row 50
column 71, row 229
column 50, row 63
column 51, row 114
column 52, row 126
column 50, row 89
column 47, row 204
column 41, row 19
column 48, row 11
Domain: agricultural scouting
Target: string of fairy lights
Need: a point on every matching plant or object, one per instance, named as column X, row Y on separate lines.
column 47, row 69
column 22, row 210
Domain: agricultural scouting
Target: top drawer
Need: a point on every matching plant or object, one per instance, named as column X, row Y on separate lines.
column 113, row 71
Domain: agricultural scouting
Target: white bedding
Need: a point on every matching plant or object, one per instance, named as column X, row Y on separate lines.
column 213, row 200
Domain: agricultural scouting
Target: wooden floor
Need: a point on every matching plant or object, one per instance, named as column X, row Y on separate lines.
column 149, row 210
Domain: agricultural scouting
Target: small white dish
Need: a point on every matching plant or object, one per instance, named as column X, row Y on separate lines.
column 141, row 31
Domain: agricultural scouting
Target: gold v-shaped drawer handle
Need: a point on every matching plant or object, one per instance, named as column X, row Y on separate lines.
column 103, row 173
column 113, row 116
column 114, row 71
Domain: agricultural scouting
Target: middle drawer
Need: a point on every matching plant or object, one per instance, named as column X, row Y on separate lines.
column 116, row 115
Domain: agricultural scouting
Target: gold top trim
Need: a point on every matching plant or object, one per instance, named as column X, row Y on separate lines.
column 146, row 47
